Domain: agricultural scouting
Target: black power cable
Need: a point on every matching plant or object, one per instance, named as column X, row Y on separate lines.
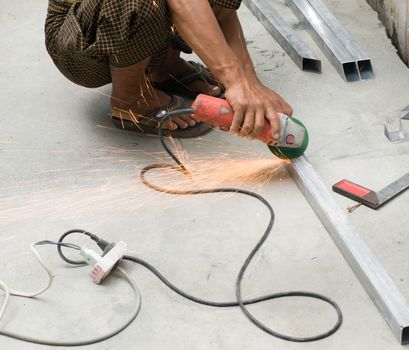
column 100, row 242
column 239, row 300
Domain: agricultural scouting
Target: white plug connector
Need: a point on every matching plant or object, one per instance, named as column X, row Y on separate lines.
column 91, row 257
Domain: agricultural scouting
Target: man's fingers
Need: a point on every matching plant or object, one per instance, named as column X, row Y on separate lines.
column 259, row 121
column 237, row 121
column 248, row 124
column 274, row 119
column 287, row 110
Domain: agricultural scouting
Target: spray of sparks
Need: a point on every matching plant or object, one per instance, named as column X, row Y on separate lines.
column 220, row 169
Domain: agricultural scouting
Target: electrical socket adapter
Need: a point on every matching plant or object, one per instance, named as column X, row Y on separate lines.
column 103, row 267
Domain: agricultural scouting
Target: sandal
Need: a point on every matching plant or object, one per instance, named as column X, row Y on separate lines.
column 149, row 123
column 179, row 84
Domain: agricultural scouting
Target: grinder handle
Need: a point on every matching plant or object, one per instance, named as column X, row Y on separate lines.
column 218, row 112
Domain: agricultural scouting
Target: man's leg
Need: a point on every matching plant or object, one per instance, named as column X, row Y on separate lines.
column 172, row 65
column 133, row 96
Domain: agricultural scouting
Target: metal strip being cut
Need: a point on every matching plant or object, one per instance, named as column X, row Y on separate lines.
column 367, row 268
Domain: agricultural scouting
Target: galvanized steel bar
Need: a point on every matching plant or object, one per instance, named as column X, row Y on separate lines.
column 367, row 268
column 343, row 61
column 363, row 61
column 282, row 32
column 394, row 130
column 393, row 189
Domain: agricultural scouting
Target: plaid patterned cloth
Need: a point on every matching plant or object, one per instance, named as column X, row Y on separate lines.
column 83, row 38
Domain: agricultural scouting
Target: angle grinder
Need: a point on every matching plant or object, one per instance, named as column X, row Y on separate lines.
column 293, row 140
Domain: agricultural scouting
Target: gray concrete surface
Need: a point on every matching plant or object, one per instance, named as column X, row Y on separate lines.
column 63, row 165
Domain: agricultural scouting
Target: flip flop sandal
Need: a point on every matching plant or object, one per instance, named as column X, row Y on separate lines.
column 179, row 84
column 149, row 123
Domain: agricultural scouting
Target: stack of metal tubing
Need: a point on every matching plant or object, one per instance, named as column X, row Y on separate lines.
column 347, row 57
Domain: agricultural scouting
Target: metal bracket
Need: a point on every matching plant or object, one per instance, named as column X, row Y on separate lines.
column 394, row 130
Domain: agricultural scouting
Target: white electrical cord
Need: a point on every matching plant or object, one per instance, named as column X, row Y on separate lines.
column 94, row 340
column 49, row 275
column 6, row 298
column 17, row 293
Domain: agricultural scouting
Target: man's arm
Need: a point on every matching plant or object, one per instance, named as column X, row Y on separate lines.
column 229, row 60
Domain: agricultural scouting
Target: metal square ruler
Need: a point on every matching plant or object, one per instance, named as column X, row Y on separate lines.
column 369, row 197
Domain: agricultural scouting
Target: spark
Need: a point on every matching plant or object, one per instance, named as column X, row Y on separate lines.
column 211, row 171
column 149, row 85
column 136, row 116
column 134, row 120
column 142, row 95
column 184, row 85
column 124, row 150
column 122, row 120
column 106, row 127
column 7, row 239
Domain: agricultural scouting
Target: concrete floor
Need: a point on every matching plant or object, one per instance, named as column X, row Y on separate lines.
column 65, row 166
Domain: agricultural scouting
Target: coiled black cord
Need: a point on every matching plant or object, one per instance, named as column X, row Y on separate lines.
column 239, row 300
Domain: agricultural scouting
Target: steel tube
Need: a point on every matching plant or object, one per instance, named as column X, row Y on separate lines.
column 363, row 61
column 343, row 61
column 394, row 130
column 282, row 32
column 367, row 268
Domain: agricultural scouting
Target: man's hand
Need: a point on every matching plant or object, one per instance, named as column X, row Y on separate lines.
column 253, row 103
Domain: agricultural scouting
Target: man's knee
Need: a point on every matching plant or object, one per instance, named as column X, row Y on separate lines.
column 231, row 4
column 224, row 8
column 222, row 13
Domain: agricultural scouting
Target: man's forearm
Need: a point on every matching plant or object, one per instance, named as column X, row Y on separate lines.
column 232, row 30
column 196, row 22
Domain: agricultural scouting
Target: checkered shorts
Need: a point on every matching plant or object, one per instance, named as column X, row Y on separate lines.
column 87, row 36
